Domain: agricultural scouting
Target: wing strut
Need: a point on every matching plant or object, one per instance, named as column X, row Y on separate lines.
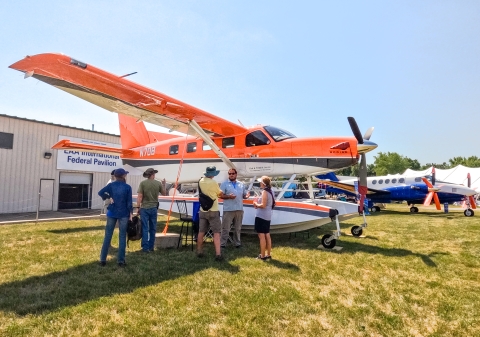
column 211, row 143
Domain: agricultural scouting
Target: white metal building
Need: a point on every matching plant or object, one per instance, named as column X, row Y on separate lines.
column 32, row 174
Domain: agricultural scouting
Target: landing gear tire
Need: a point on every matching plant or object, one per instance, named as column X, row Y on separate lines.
column 373, row 209
column 328, row 244
column 356, row 231
column 413, row 209
column 377, row 209
column 469, row 212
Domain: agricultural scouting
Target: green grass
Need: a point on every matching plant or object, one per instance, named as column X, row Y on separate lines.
column 413, row 275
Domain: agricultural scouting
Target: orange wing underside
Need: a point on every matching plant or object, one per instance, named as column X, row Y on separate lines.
column 120, row 95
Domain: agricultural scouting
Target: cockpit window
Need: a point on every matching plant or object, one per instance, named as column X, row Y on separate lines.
column 256, row 138
column 278, row 134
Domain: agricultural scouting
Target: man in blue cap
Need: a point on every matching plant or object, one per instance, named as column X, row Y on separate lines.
column 210, row 218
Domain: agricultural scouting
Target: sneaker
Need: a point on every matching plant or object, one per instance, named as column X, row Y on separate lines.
column 122, row 265
column 219, row 258
column 260, row 257
column 239, row 246
column 103, row 263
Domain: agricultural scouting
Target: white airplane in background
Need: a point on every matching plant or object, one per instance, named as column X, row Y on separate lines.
column 414, row 190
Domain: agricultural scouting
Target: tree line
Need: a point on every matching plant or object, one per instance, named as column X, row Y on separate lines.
column 393, row 163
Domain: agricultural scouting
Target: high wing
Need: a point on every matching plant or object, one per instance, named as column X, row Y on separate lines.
column 117, row 94
column 351, row 188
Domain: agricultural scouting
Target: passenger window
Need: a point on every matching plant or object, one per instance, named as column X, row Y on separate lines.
column 401, row 180
column 192, row 147
column 228, row 142
column 387, row 181
column 173, row 149
column 256, row 138
column 374, row 182
column 418, row 179
column 394, row 180
column 380, row 181
column 206, row 147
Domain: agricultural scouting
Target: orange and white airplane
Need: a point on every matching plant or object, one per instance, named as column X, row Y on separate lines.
column 209, row 140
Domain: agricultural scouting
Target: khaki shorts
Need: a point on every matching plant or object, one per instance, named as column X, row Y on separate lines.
column 210, row 219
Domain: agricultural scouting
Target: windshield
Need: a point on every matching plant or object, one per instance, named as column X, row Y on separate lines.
column 278, row 134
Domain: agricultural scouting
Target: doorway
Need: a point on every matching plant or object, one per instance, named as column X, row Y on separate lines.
column 75, row 191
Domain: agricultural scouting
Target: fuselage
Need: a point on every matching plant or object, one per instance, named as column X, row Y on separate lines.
column 410, row 189
column 254, row 153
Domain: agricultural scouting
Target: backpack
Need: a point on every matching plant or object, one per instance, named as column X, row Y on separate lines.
column 205, row 201
column 134, row 229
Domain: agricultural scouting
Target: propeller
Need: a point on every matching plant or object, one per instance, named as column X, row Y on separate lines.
column 432, row 191
column 364, row 146
column 471, row 199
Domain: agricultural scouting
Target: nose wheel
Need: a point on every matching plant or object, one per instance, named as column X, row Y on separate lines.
column 469, row 212
column 413, row 209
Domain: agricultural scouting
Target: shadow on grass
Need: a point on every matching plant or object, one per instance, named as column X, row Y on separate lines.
column 40, row 294
column 350, row 247
column 76, row 229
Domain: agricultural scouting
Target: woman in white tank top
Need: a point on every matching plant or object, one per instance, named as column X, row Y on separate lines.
column 264, row 205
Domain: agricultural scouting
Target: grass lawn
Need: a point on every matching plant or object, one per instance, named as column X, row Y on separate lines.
column 413, row 275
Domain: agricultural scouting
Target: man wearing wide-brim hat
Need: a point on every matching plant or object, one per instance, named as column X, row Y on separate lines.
column 211, row 218
column 147, row 203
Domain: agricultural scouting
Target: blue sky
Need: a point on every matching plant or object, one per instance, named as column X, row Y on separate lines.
column 408, row 68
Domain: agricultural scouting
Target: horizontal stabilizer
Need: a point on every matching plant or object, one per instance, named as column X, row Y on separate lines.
column 67, row 144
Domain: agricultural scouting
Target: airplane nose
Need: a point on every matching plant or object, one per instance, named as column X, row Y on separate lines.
column 367, row 146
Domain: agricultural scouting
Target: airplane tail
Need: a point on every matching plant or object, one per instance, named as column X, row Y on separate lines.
column 132, row 134
column 329, row 176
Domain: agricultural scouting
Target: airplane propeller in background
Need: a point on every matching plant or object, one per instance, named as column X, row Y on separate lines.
column 432, row 191
column 471, row 200
column 364, row 146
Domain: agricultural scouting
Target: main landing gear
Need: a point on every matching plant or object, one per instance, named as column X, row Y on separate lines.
column 413, row 209
column 469, row 212
column 375, row 209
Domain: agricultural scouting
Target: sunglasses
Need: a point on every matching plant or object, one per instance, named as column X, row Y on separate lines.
column 231, row 173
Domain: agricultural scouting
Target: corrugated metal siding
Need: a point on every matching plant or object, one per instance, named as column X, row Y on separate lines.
column 22, row 167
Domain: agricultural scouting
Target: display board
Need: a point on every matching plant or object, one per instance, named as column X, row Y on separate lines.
column 87, row 160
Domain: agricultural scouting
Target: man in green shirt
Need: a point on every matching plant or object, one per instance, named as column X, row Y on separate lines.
column 147, row 202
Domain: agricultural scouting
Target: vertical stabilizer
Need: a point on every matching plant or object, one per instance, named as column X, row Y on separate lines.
column 132, row 134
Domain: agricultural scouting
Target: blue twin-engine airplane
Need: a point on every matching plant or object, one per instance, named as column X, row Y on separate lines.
column 413, row 190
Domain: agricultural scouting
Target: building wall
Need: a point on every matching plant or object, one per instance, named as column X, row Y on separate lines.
column 22, row 167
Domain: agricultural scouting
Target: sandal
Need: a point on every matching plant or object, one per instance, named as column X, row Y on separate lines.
column 268, row 257
column 259, row 257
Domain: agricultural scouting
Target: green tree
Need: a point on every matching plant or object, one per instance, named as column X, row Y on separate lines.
column 393, row 163
column 442, row 166
column 472, row 161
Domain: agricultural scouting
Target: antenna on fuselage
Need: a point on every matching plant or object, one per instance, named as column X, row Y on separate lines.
column 128, row 74
column 240, row 123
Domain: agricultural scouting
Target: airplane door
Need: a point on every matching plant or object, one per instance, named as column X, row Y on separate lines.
column 46, row 194
column 258, row 154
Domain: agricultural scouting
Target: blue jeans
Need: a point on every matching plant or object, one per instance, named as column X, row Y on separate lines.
column 149, row 227
column 122, row 238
